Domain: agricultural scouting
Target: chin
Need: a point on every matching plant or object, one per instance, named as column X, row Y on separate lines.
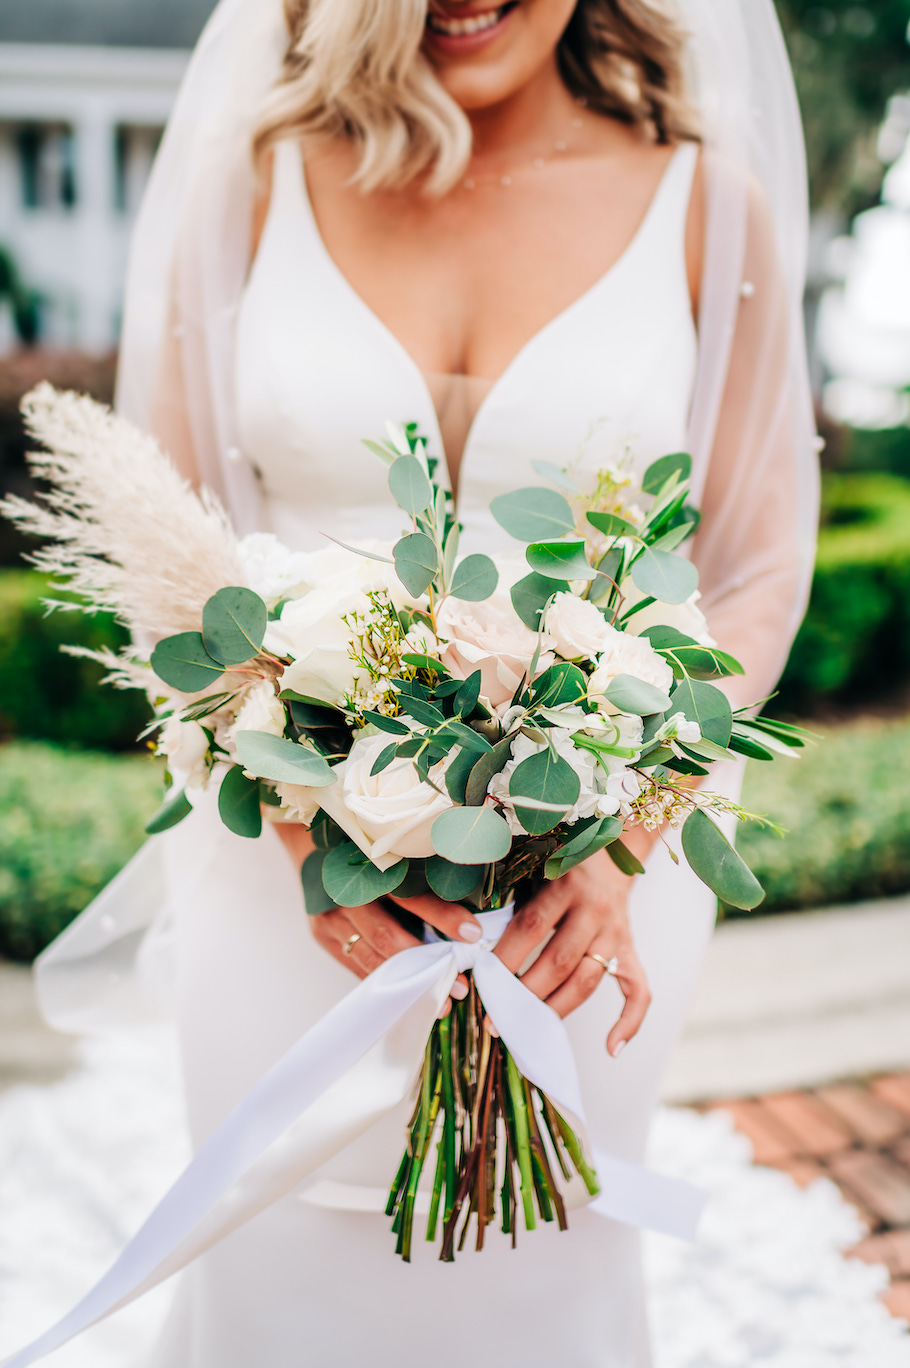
column 483, row 53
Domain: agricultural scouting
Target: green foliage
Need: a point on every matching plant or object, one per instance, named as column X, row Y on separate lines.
column 717, row 864
column 845, row 809
column 69, row 820
column 856, row 635
column 281, row 760
column 50, row 696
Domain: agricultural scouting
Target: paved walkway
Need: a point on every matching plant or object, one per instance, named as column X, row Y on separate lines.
column 858, row 1135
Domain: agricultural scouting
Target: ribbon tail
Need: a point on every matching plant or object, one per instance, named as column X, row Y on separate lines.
column 539, row 1043
column 352, row 1067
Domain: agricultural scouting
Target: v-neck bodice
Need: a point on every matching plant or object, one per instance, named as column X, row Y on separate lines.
column 317, row 371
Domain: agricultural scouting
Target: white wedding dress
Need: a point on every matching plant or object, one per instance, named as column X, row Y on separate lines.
column 317, row 371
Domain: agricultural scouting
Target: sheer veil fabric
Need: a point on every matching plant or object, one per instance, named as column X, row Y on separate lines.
column 751, row 430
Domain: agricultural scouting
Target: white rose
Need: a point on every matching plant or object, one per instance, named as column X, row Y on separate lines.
column 577, row 627
column 311, row 631
column 186, row 746
column 389, row 815
column 685, row 617
column 298, row 804
column 629, row 655
column 582, row 761
column 272, row 571
column 490, row 637
column 262, row 711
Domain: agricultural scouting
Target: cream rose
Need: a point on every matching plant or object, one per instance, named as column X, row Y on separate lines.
column 388, row 815
column 312, row 633
column 629, row 655
column 490, row 637
column 261, row 711
column 187, row 748
column 272, row 571
column 685, row 617
column 577, row 627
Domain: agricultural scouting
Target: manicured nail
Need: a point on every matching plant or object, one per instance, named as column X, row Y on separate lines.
column 470, row 931
column 618, row 1048
column 458, row 990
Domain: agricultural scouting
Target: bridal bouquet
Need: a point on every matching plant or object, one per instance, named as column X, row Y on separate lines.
column 467, row 726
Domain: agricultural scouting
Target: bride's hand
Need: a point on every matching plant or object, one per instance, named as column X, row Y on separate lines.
column 361, row 938
column 586, row 910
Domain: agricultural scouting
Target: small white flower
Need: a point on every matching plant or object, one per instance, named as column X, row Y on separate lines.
column 628, row 655
column 262, row 711
column 585, row 765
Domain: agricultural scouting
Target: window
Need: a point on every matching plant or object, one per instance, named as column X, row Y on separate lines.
column 47, row 166
column 134, row 152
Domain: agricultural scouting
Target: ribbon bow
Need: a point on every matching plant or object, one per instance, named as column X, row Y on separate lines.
column 357, row 1063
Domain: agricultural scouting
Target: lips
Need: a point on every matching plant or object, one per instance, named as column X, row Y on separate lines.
column 448, row 26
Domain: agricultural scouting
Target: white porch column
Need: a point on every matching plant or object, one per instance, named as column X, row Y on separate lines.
column 98, row 258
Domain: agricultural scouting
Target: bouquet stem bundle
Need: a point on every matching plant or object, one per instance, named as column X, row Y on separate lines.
column 498, row 1135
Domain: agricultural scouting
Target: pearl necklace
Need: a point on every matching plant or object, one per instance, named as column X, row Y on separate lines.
column 538, row 163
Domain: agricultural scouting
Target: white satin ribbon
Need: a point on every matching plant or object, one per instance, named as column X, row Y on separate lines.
column 349, row 1070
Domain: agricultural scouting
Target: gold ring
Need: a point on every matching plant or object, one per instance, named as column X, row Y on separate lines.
column 609, row 966
column 350, row 943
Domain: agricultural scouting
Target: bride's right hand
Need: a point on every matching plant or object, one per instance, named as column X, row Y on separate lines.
column 362, row 938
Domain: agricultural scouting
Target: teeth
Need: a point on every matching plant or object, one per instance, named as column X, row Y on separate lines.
column 458, row 28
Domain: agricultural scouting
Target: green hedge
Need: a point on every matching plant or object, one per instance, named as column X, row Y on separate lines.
column 68, row 821
column 845, row 806
column 52, row 696
column 855, row 639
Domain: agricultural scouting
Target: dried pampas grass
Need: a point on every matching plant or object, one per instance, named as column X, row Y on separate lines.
column 125, row 531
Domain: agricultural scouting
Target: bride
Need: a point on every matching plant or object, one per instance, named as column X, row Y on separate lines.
column 561, row 230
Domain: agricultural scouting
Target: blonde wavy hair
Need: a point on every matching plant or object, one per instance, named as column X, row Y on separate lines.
column 354, row 68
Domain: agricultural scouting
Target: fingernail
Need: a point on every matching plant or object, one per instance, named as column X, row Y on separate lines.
column 458, row 990
column 470, row 931
column 618, row 1048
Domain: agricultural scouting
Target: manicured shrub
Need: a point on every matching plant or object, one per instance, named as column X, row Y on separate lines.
column 855, row 640
column 845, row 806
column 52, row 696
column 68, row 821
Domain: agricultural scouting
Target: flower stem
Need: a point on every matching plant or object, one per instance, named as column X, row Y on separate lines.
column 522, row 1140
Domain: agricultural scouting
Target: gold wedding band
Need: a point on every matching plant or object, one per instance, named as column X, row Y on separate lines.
column 350, row 943
column 609, row 966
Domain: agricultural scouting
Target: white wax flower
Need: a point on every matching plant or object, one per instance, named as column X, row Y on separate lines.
column 490, row 637
column 390, row 814
column 579, row 629
column 628, row 655
column 584, row 764
column 186, row 746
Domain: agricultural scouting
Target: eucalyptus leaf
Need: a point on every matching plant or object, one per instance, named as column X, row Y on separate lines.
column 609, row 573
column 475, row 579
column 452, row 882
column 548, row 471
column 421, row 711
column 410, row 487
column 384, row 759
column 560, row 684
column 457, row 774
column 596, row 836
column 238, row 803
column 487, row 766
column 420, row 661
column 671, row 579
column 182, row 662
column 387, row 724
column 233, row 624
column 367, row 555
column 624, row 860
column 466, row 737
column 707, row 706
column 282, row 761
column 743, row 744
column 532, row 594
column 170, row 813
column 468, row 695
column 315, row 716
column 385, row 454
column 717, row 864
column 450, row 552
column 533, row 514
column 351, row 879
column 662, row 470
column 315, row 898
column 560, row 560
column 471, row 836
column 636, row 696
column 416, row 562
column 612, row 525
column 550, row 779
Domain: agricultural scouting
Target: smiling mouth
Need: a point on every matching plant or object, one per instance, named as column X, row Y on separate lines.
column 449, row 27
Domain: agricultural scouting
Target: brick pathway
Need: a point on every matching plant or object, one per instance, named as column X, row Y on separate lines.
column 858, row 1135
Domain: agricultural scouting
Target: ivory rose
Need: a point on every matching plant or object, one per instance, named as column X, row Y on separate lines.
column 388, row 815
column 686, row 617
column 490, row 637
column 577, row 627
column 312, row 633
column 628, row 655
column 262, row 711
column 186, row 746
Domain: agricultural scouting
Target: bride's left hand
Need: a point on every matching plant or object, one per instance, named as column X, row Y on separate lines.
column 586, row 910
